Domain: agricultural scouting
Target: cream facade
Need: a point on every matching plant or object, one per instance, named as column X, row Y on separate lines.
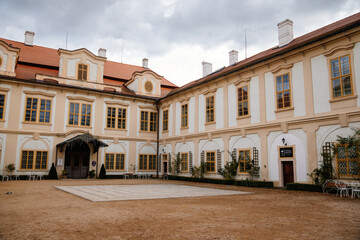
column 280, row 108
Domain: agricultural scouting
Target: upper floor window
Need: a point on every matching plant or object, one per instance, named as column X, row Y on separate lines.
column 165, row 120
column 147, row 162
column 184, row 162
column 2, row 106
column 210, row 161
column 33, row 160
column 283, row 91
column 243, row 108
column 148, row 121
column 115, row 161
column 116, row 117
column 82, row 71
column 244, row 158
column 184, row 115
column 210, row 109
column 341, row 77
column 79, row 114
column 37, row 110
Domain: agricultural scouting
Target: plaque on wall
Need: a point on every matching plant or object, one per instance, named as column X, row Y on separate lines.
column 60, row 161
column 286, row 152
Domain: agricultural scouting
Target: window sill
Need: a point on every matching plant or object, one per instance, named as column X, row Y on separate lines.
column 166, row 131
column 119, row 170
column 116, row 129
column 79, row 126
column 284, row 109
column 142, row 131
column 32, row 170
column 37, row 123
column 210, row 123
column 243, row 117
column 183, row 128
column 2, row 120
column 342, row 98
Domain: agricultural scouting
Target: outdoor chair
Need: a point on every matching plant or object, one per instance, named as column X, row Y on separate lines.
column 341, row 188
column 126, row 176
column 16, row 177
column 39, row 176
column 7, row 178
column 355, row 189
column 31, row 177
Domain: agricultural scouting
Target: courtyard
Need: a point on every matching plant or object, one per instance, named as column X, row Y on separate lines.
column 39, row 210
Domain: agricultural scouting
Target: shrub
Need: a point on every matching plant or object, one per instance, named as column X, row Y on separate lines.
column 52, row 172
column 102, row 174
column 304, row 187
column 248, row 183
column 229, row 171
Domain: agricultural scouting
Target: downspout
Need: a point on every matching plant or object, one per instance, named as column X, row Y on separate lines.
column 97, row 163
column 157, row 139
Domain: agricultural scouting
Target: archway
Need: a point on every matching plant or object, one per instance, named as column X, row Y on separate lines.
column 77, row 160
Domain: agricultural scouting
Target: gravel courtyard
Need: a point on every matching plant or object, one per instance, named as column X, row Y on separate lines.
column 38, row 210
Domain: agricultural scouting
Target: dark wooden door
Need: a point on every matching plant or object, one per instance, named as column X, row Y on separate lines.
column 77, row 164
column 165, row 167
column 288, row 172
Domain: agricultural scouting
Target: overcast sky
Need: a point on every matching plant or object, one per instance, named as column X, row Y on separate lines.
column 175, row 35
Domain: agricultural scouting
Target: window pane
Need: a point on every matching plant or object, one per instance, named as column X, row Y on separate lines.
column 345, row 66
column 278, row 84
column 336, row 88
column 335, row 68
column 346, row 81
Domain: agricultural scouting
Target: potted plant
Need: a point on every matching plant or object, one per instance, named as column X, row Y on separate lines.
column 92, row 174
column 64, row 173
column 11, row 168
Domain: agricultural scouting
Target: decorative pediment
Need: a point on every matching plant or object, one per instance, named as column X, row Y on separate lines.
column 281, row 67
column 79, row 52
column 80, row 98
column 45, row 94
column 339, row 48
column 122, row 104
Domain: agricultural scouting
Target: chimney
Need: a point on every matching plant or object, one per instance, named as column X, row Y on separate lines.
column 207, row 68
column 102, row 52
column 145, row 63
column 29, row 38
column 285, row 32
column 233, row 57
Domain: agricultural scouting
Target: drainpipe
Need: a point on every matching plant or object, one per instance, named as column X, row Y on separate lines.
column 157, row 139
column 97, row 163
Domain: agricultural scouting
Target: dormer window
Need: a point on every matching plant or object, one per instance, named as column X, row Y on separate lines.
column 82, row 71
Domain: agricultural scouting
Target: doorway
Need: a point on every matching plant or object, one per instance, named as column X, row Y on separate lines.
column 165, row 167
column 77, row 161
column 288, row 172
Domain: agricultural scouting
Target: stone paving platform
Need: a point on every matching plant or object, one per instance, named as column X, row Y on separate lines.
column 140, row 192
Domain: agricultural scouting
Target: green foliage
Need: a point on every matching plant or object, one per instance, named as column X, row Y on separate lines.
column 321, row 174
column 10, row 167
column 229, row 171
column 198, row 172
column 102, row 174
column 52, row 172
column 304, row 187
column 92, row 174
column 252, row 169
column 175, row 165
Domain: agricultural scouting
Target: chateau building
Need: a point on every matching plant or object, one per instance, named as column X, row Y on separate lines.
column 282, row 108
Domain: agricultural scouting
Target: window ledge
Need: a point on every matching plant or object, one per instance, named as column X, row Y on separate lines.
column 2, row 120
column 119, row 170
column 284, row 109
column 37, row 123
column 166, row 131
column 183, row 128
column 142, row 131
column 243, row 117
column 32, row 170
column 210, row 123
column 116, row 129
column 79, row 126
column 343, row 98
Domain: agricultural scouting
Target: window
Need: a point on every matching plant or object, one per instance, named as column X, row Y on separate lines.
column 347, row 162
column 147, row 162
column 34, row 113
column 116, row 117
column 184, row 115
column 34, row 160
column 244, row 158
column 115, row 161
column 148, row 123
column 210, row 161
column 243, row 108
column 165, row 120
column 82, row 71
column 75, row 115
column 2, row 106
column 341, row 77
column 283, row 89
column 165, row 157
column 210, row 109
column 184, row 162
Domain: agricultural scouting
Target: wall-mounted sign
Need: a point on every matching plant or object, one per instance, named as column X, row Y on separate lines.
column 286, row 152
column 93, row 163
column 60, row 161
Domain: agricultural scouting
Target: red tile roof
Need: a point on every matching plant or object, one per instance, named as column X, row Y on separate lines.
column 37, row 55
column 321, row 33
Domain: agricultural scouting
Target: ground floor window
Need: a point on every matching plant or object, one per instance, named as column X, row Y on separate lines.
column 347, row 161
column 115, row 161
column 147, row 162
column 244, row 157
column 34, row 160
column 184, row 162
column 210, row 161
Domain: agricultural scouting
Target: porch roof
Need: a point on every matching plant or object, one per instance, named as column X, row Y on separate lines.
column 77, row 140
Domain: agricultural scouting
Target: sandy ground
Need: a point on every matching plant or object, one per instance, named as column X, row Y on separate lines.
column 36, row 210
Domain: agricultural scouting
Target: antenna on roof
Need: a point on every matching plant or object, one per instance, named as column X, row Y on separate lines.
column 66, row 40
column 122, row 50
column 245, row 45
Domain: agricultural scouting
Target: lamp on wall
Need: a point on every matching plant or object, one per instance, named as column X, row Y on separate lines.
column 283, row 141
column 163, row 150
